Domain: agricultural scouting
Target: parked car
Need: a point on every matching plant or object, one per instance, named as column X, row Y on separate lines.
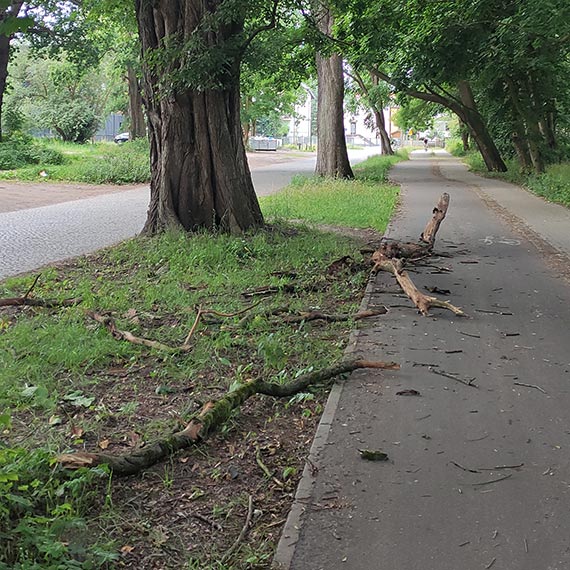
column 122, row 138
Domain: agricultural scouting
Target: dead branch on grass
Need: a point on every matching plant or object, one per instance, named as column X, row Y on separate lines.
column 211, row 418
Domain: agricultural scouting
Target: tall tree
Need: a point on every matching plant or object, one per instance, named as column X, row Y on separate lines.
column 373, row 95
column 9, row 25
column 192, row 50
column 332, row 154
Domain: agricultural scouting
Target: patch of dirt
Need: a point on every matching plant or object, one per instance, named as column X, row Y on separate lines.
column 194, row 505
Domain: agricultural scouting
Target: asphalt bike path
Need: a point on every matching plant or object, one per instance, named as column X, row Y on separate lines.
column 478, row 475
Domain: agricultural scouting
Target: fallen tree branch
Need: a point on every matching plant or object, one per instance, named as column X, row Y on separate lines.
column 421, row 301
column 439, row 212
column 318, row 315
column 211, row 418
column 243, row 532
column 202, row 312
column 111, row 326
column 46, row 303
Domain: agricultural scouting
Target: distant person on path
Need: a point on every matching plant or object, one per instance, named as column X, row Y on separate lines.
column 426, row 141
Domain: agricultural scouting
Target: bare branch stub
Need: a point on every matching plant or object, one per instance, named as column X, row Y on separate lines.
column 439, row 212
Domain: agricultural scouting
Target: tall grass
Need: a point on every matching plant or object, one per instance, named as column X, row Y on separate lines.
column 101, row 163
column 553, row 185
column 366, row 202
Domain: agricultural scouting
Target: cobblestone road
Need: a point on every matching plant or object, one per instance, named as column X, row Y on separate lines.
column 30, row 238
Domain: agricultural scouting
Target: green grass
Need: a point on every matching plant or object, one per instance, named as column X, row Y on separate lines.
column 101, row 163
column 366, row 202
column 553, row 185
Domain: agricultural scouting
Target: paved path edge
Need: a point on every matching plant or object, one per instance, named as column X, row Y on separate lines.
column 295, row 519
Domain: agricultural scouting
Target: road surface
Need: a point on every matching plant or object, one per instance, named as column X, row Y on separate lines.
column 34, row 236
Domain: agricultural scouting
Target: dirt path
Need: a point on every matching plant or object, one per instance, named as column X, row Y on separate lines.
column 22, row 195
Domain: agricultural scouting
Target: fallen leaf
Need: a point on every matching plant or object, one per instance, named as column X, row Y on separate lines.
column 127, row 549
column 76, row 432
column 370, row 455
column 104, row 443
column 54, row 420
column 408, row 392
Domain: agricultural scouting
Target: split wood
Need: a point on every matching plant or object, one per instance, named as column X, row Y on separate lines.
column 211, row 418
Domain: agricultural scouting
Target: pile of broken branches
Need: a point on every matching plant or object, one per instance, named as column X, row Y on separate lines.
column 392, row 257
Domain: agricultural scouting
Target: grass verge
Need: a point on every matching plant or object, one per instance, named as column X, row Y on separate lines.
column 67, row 384
column 553, row 185
column 366, row 202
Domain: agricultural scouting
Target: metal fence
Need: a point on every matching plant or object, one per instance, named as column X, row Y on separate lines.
column 112, row 126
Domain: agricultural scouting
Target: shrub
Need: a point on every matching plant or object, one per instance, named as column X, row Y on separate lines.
column 75, row 123
column 20, row 150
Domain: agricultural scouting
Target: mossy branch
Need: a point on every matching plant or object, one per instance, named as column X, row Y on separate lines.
column 211, row 418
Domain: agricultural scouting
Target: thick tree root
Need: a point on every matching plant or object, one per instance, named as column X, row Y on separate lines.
column 211, row 418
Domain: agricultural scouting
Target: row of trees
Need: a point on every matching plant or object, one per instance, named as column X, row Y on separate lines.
column 499, row 66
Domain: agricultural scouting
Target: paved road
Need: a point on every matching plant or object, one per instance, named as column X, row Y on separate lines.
column 440, row 503
column 32, row 237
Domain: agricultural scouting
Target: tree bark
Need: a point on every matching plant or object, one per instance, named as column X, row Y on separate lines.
column 479, row 131
column 200, row 177
column 11, row 11
column 136, row 114
column 332, row 154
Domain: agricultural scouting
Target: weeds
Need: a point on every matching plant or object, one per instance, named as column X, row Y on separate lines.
column 367, row 202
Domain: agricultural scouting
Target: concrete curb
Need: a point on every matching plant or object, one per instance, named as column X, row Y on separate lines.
column 292, row 529
column 295, row 520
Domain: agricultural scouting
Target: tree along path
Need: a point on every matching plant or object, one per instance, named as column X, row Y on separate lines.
column 477, row 477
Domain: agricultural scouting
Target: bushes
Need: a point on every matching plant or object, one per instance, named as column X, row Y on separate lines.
column 101, row 163
column 21, row 150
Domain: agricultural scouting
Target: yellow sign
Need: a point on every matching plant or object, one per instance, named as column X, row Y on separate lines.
column 411, row 132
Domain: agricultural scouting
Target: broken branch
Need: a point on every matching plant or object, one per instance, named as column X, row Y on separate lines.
column 212, row 416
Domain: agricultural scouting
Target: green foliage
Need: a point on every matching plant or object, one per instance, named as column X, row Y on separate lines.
column 102, row 163
column 20, row 150
column 553, row 185
column 454, row 147
column 75, row 122
column 41, row 513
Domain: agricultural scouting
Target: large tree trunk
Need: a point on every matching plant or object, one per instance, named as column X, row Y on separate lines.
column 381, row 123
column 332, row 154
column 11, row 11
column 136, row 113
column 478, row 129
column 200, row 175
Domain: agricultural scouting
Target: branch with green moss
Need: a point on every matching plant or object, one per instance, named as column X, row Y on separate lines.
column 211, row 418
